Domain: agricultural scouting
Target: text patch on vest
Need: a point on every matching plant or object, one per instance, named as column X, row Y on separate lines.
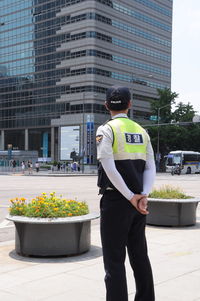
column 134, row 138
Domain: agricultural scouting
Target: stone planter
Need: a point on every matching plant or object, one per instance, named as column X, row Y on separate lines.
column 172, row 212
column 52, row 236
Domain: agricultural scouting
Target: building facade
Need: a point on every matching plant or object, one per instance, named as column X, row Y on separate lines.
column 58, row 57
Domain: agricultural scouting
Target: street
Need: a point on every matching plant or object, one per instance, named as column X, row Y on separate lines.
column 80, row 187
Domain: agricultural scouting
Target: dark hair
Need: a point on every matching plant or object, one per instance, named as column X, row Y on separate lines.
column 118, row 98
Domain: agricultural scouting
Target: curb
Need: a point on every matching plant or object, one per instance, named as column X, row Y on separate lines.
column 49, row 175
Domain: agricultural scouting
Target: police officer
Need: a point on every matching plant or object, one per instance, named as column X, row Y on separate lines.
column 125, row 177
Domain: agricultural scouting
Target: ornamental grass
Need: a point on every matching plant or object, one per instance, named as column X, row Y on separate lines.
column 168, row 192
column 50, row 206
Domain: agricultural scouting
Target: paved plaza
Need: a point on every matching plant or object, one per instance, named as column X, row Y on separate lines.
column 174, row 252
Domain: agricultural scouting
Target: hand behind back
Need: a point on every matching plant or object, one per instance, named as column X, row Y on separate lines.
column 139, row 201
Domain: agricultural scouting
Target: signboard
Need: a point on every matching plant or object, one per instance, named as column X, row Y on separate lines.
column 69, row 141
column 45, row 145
column 90, row 138
column 153, row 117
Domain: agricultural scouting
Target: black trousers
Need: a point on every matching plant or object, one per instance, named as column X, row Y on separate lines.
column 122, row 226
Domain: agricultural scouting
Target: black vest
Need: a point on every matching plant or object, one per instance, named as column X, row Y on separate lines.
column 131, row 172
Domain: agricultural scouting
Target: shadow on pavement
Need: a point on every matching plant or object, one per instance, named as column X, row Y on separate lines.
column 192, row 227
column 94, row 252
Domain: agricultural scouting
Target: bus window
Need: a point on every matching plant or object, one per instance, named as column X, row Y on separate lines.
column 169, row 160
column 176, row 159
column 191, row 157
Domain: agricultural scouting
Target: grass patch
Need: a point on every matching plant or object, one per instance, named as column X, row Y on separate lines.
column 168, row 192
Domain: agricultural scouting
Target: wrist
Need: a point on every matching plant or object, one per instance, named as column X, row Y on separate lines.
column 144, row 193
column 131, row 196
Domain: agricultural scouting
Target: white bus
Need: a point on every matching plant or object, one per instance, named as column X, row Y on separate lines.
column 188, row 161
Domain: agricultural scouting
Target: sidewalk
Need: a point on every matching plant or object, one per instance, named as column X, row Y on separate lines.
column 48, row 173
column 174, row 253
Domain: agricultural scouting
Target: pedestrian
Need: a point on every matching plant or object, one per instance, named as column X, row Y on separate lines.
column 30, row 167
column 125, row 177
column 37, row 166
column 23, row 166
column 64, row 166
column 14, row 163
column 74, row 166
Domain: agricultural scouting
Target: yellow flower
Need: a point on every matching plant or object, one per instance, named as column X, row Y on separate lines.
column 55, row 209
column 69, row 214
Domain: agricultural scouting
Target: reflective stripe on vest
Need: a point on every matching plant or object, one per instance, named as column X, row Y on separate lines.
column 130, row 139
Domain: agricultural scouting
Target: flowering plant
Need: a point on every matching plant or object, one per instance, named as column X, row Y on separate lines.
column 47, row 206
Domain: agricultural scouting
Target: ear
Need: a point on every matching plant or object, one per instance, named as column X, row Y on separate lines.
column 105, row 103
column 129, row 104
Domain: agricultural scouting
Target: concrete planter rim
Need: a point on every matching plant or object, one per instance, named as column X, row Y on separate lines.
column 54, row 220
column 189, row 200
column 172, row 212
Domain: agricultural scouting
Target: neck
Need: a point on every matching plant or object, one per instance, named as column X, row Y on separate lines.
column 113, row 113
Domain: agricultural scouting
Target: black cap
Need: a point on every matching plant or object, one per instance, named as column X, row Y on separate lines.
column 117, row 98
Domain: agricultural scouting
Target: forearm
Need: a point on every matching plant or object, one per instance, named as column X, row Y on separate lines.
column 149, row 172
column 148, row 179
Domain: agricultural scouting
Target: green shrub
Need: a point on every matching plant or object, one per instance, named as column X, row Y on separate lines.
column 47, row 206
column 47, row 167
column 168, row 192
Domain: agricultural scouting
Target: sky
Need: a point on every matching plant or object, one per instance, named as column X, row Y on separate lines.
column 186, row 52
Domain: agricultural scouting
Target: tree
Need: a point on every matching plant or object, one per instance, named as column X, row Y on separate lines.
column 166, row 98
column 175, row 137
column 183, row 112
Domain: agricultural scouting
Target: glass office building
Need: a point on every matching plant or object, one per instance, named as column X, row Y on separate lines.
column 58, row 57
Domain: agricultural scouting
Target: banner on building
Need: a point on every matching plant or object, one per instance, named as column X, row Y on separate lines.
column 69, row 142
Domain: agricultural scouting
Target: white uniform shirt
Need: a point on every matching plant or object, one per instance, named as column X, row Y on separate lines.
column 105, row 155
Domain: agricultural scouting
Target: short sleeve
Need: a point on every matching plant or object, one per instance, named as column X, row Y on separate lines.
column 104, row 141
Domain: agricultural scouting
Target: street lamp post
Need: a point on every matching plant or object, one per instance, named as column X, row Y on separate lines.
column 87, row 130
column 158, row 136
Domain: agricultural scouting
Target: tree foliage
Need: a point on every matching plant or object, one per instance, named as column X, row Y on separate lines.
column 175, row 134
column 166, row 98
column 183, row 112
column 175, row 137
